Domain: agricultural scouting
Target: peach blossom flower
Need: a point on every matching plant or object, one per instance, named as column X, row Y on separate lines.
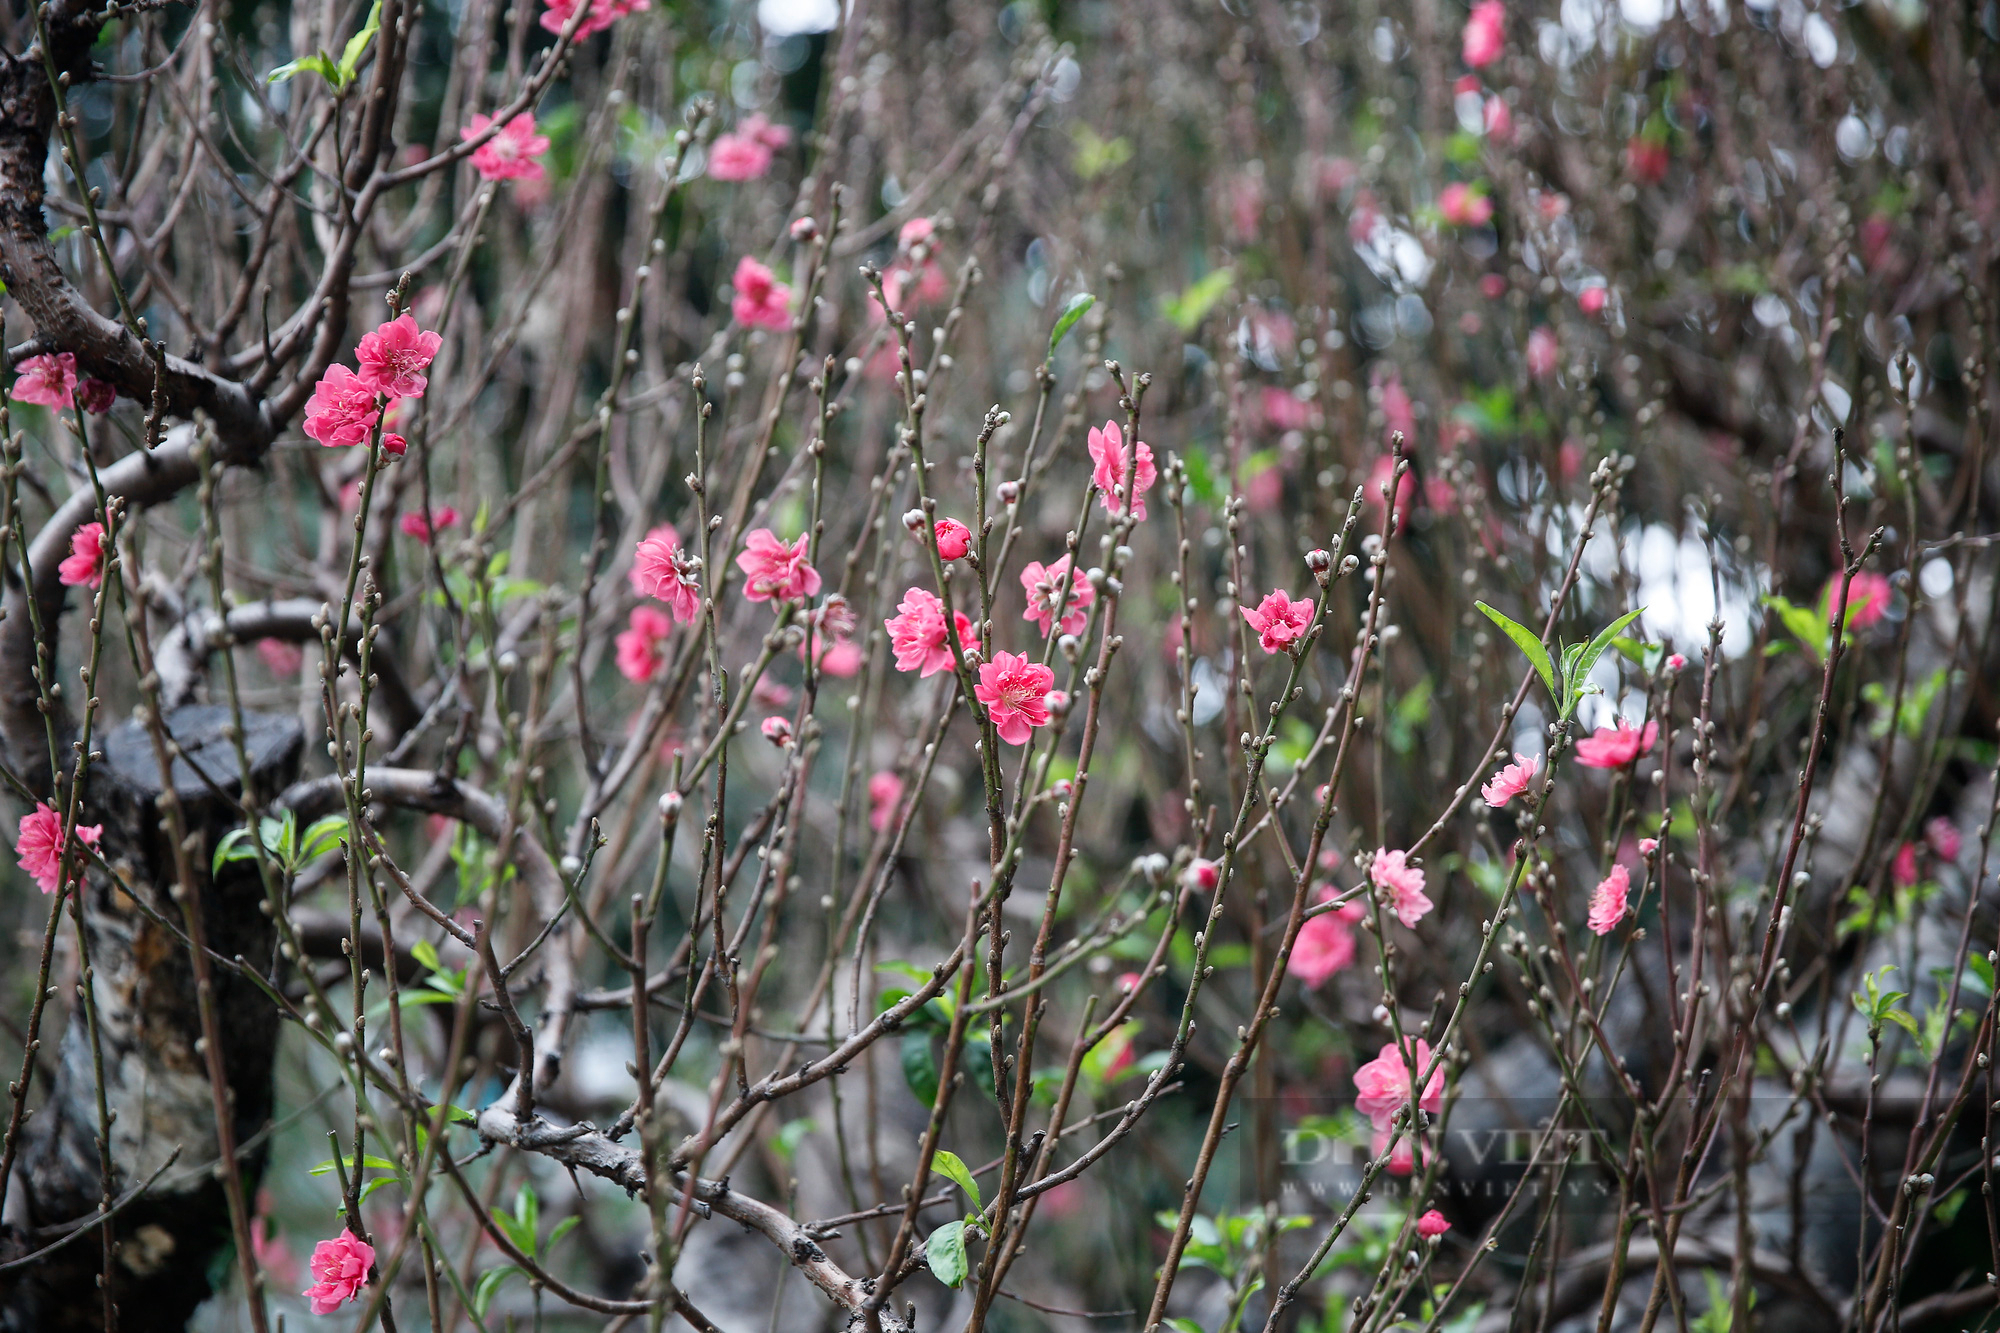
column 37, row 839
column 761, row 302
column 341, row 412
column 954, row 539
column 1616, row 746
column 1592, row 298
column 1015, row 690
column 1043, row 585
column 1384, row 1084
column 776, row 730
column 1647, row 846
column 1462, row 206
column 282, row 659
column 1542, row 351
column 661, row 569
column 85, row 562
column 1646, row 159
column 48, row 379
column 885, row 794
column 1904, row 869
column 1325, row 944
column 1607, row 900
column 917, row 633
column 1279, row 621
column 394, row 356
column 1512, row 780
column 426, row 526
column 737, row 157
column 1943, row 837
column 1432, row 1225
column 1485, row 33
column 1868, row 596
column 774, row 571
column 1400, row 885
column 96, row 396
column 1202, row 875
column 510, row 154
column 639, row 644
column 1107, row 453
column 340, row 1269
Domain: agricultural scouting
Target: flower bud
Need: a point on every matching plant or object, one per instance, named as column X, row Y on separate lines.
column 670, row 805
column 1010, row 493
column 805, row 229
column 777, row 731
column 914, row 520
column 1320, row 563
column 1202, row 875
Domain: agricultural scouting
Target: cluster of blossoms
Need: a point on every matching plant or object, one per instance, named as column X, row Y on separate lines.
column 50, row 380
column 38, row 843
column 746, row 153
column 603, row 13
column 761, row 301
column 512, row 153
column 346, row 406
column 1384, row 1085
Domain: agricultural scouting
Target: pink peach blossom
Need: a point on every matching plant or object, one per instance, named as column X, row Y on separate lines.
column 917, row 633
column 776, row 730
column 340, row 1270
column 1014, row 689
column 1325, row 944
column 96, row 396
column 1647, row 846
column 1512, row 780
column 639, row 644
column 761, row 301
column 1943, row 837
column 1432, row 1225
column 737, row 157
column 774, row 571
column 37, row 840
column 394, row 356
column 48, row 379
column 1202, row 875
column 1542, row 351
column 511, row 154
column 1462, row 206
column 1399, row 885
column 1904, row 868
column 424, row 527
column 1384, row 1084
column 954, row 539
column 661, row 569
column 885, row 794
column 1591, row 299
column 1107, row 453
column 1868, row 596
column 1607, row 900
column 1616, row 746
column 1279, row 621
column 1485, row 33
column 85, row 563
column 1043, row 585
column 282, row 659
column 341, row 412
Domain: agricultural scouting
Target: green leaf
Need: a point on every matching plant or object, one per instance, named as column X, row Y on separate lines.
column 316, row 63
column 944, row 1251
column 1595, row 649
column 1530, row 645
column 489, row 1286
column 920, row 1068
column 1183, row 1324
column 350, row 59
column 426, row 953
column 235, row 846
column 322, row 835
column 791, row 1135
column 1807, row 628
column 563, row 1228
column 1188, row 309
column 949, row 1165
column 1073, row 309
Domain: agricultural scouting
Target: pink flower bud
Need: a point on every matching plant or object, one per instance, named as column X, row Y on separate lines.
column 805, row 229
column 777, row 731
column 1202, row 875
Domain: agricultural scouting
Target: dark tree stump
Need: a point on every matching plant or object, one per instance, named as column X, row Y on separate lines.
column 172, row 1239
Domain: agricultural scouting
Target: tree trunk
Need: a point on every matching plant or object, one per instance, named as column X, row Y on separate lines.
column 173, row 1241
